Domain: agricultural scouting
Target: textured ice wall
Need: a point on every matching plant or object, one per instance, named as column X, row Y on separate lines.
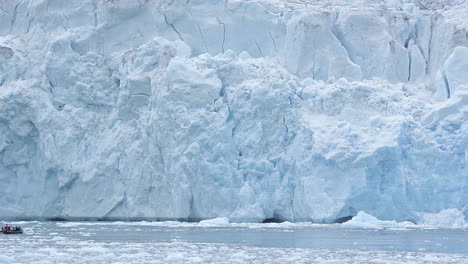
column 244, row 109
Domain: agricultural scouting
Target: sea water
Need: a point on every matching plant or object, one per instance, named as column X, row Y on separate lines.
column 175, row 242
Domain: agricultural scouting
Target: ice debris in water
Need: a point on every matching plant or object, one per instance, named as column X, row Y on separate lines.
column 364, row 220
column 5, row 259
column 215, row 222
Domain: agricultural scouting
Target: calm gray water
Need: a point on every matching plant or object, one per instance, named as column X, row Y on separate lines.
column 432, row 240
column 63, row 242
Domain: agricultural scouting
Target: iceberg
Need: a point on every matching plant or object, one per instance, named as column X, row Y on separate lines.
column 364, row 220
column 215, row 222
column 249, row 110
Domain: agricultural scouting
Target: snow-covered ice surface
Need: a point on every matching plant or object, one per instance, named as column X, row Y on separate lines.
column 114, row 242
column 293, row 110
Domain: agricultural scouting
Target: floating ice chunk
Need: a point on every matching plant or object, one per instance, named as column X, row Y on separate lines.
column 365, row 220
column 215, row 222
column 175, row 257
column 446, row 218
column 94, row 250
column 72, row 224
column 28, row 231
column 5, row 259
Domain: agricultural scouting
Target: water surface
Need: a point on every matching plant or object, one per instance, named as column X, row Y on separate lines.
column 112, row 242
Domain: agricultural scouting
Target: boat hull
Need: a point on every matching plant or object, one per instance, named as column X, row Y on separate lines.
column 10, row 232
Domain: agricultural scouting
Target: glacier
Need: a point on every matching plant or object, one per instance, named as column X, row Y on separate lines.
column 251, row 110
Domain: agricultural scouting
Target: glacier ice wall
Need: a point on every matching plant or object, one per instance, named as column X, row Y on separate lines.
column 251, row 110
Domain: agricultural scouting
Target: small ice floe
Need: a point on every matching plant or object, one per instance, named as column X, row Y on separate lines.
column 175, row 257
column 28, row 231
column 5, row 259
column 365, row 220
column 215, row 222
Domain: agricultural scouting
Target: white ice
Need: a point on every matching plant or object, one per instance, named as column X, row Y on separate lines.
column 445, row 218
column 250, row 110
column 5, row 259
column 364, row 220
column 448, row 218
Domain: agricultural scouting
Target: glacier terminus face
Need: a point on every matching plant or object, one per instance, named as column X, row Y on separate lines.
column 246, row 109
